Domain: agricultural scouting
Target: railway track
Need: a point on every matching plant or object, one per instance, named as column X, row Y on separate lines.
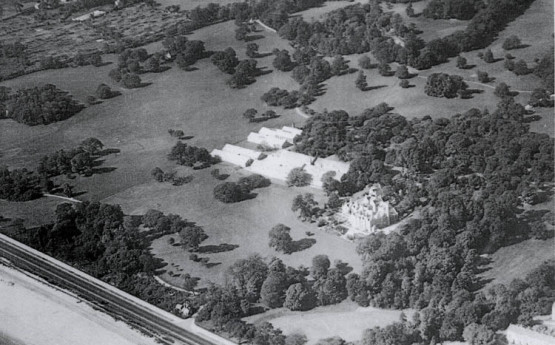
column 114, row 301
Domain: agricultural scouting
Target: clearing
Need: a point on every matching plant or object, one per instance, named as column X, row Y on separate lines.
column 346, row 320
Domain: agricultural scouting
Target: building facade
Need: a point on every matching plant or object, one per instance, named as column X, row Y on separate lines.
column 366, row 211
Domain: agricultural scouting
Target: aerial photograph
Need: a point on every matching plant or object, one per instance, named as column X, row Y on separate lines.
column 277, row 172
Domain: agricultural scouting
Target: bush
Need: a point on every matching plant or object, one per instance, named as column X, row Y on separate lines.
column 404, row 84
column 298, row 177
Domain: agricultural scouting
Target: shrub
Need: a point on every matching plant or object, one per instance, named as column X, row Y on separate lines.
column 404, row 84
column 103, row 91
column 298, row 177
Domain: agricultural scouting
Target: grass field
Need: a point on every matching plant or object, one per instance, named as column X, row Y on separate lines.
column 136, row 122
column 346, row 320
column 516, row 261
column 245, row 224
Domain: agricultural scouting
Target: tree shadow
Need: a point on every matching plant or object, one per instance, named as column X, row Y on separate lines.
column 212, row 264
column 263, row 71
column 251, row 38
column 220, row 248
column 344, row 268
column 532, row 118
column 103, row 170
column 472, row 91
column 370, row 88
column 263, row 55
column 190, row 69
column 186, row 137
column 302, row 244
column 160, row 69
column 522, row 46
column 106, row 152
column 468, row 67
column 497, row 60
column 105, row 63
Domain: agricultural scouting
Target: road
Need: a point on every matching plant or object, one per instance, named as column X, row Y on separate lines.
column 117, row 302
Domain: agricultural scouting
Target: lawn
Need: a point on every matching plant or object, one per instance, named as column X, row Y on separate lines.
column 346, row 320
column 245, row 224
column 517, row 261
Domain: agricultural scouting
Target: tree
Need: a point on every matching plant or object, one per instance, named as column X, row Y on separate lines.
column 191, row 237
column 384, row 69
column 360, row 81
column 152, row 64
column 521, row 68
column 299, row 297
column 540, row 98
column 306, row 205
column 241, row 33
column 482, row 76
column 320, row 266
column 509, row 64
column 244, row 74
column 115, row 74
column 282, row 61
column 280, row 239
column 339, row 65
column 512, row 42
column 502, row 90
column 444, row 85
column 332, row 289
column 95, row 59
column 295, row 339
column 300, row 74
column 67, row 190
column 103, row 91
column 409, row 10
column 229, row 192
column 404, row 84
column 488, row 56
column 252, row 50
column 158, row 174
column 247, row 276
column 365, row 62
column 82, row 163
column 250, row 114
column 461, row 62
column 91, row 145
column 272, row 292
column 402, row 72
column 298, row 177
column 226, row 60
column 476, row 334
column 131, row 80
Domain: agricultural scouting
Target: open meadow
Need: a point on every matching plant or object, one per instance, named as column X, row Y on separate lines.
column 346, row 320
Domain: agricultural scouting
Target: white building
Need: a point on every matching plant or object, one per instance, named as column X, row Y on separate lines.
column 274, row 138
column 277, row 164
column 367, row 212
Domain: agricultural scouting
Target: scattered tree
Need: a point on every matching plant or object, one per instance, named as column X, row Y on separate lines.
column 512, row 42
column 360, row 81
column 298, row 177
column 280, row 239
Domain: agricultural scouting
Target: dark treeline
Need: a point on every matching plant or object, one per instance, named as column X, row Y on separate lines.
column 98, row 239
column 473, row 318
column 38, row 105
column 19, row 185
column 469, row 175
